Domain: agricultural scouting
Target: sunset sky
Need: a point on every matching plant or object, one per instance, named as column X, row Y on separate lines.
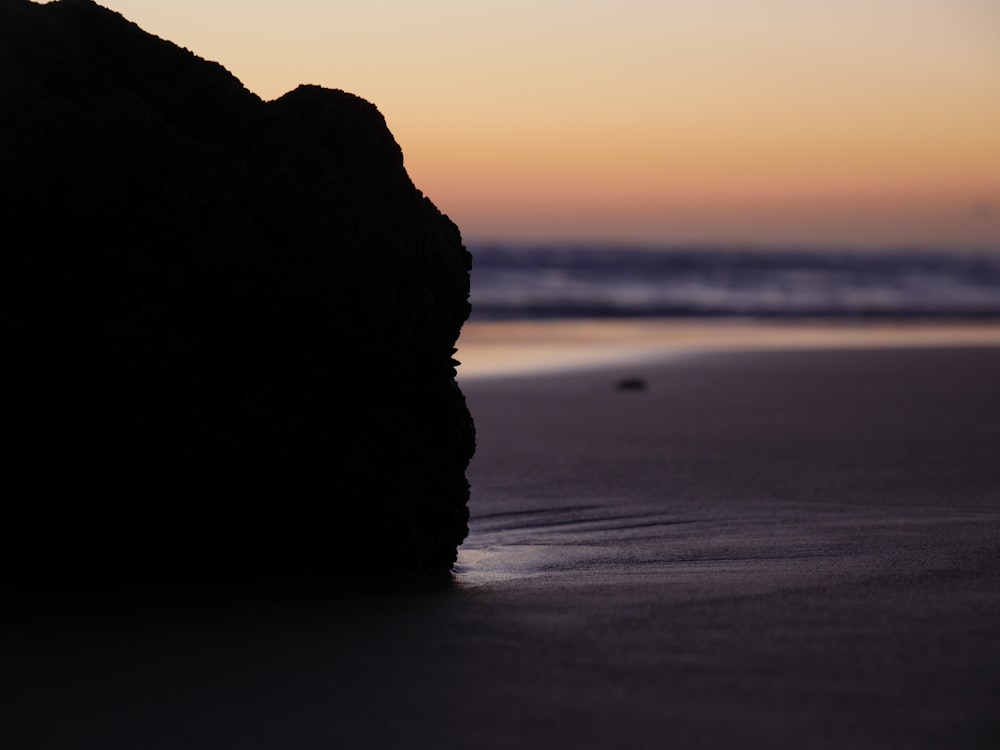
column 859, row 122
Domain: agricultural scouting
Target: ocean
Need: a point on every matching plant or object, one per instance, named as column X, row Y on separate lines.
column 566, row 281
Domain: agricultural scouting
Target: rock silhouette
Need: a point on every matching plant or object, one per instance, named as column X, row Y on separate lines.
column 227, row 324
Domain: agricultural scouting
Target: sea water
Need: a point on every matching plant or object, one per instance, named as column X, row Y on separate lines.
column 518, row 282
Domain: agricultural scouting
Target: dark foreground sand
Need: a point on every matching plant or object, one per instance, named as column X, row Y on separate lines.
column 788, row 549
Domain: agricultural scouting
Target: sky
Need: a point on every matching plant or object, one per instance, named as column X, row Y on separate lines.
column 863, row 123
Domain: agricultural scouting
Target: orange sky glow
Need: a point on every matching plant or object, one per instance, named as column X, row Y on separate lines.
column 797, row 122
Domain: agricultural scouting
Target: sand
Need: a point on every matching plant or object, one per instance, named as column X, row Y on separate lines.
column 515, row 347
column 777, row 548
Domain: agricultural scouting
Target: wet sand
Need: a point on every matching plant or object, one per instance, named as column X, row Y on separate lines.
column 779, row 548
column 518, row 347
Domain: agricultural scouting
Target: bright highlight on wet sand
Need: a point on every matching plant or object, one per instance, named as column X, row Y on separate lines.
column 525, row 347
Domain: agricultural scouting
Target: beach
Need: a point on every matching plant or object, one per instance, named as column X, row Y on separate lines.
column 758, row 543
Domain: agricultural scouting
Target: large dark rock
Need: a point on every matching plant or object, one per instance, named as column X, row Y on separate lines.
column 226, row 324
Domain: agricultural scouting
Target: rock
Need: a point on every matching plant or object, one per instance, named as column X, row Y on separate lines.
column 631, row 384
column 227, row 324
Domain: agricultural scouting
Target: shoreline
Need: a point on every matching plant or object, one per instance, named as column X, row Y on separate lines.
column 504, row 348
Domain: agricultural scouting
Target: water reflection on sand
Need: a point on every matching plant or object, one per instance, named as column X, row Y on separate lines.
column 513, row 347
